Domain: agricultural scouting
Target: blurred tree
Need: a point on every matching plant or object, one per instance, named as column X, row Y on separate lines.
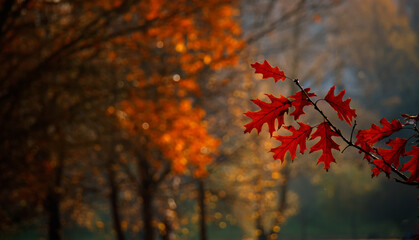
column 61, row 62
column 167, row 143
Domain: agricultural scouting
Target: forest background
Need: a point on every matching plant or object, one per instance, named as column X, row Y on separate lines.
column 123, row 119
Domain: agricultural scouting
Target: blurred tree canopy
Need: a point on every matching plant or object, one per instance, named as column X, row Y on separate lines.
column 83, row 82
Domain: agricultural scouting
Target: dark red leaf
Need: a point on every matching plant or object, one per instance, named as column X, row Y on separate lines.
column 413, row 164
column 290, row 143
column 375, row 133
column 268, row 71
column 390, row 156
column 326, row 144
column 367, row 147
column 300, row 102
column 341, row 107
column 380, row 166
column 268, row 113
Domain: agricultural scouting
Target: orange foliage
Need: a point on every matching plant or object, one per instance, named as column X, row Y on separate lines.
column 77, row 57
column 177, row 129
column 163, row 62
column 197, row 35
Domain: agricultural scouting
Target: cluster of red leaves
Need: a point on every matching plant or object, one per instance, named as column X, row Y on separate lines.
column 384, row 160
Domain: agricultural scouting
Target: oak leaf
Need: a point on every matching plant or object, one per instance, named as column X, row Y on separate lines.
column 290, row 143
column 380, row 166
column 390, row 156
column 268, row 113
column 300, row 102
column 375, row 133
column 326, row 144
column 344, row 111
column 268, row 71
column 413, row 164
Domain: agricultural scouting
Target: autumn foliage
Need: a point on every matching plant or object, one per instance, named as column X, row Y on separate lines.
column 400, row 156
column 174, row 131
column 90, row 87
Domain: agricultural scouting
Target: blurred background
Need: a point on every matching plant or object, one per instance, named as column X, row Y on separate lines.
column 123, row 119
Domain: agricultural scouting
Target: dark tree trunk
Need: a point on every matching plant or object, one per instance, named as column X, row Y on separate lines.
column 147, row 196
column 202, row 211
column 262, row 235
column 146, row 189
column 259, row 226
column 166, row 234
column 52, row 203
column 114, row 205
column 54, row 220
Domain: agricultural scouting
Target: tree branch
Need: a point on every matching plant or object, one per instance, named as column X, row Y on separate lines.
column 349, row 142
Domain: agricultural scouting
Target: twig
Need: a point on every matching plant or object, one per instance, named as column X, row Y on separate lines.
column 349, row 142
column 352, row 134
column 353, row 129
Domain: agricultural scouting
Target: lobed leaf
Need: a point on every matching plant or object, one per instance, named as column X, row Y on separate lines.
column 290, row 143
column 268, row 71
column 326, row 144
column 344, row 111
column 380, row 167
column 375, row 133
column 390, row 156
column 413, row 164
column 300, row 102
column 268, row 113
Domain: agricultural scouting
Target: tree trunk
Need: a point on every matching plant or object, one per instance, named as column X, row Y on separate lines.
column 147, row 196
column 147, row 186
column 259, row 226
column 52, row 203
column 114, row 205
column 202, row 211
column 166, row 234
column 54, row 220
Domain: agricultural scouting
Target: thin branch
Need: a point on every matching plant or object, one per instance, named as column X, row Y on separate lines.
column 353, row 129
column 349, row 142
column 347, row 146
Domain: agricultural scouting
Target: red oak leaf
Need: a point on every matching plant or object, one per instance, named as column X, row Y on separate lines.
column 268, row 113
column 341, row 107
column 300, row 102
column 268, row 71
column 392, row 156
column 389, row 156
column 380, row 166
column 367, row 138
column 375, row 133
column 290, row 143
column 326, row 144
column 413, row 164
column 367, row 147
